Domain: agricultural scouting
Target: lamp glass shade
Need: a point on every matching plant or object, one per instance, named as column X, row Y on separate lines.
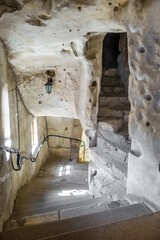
column 48, row 88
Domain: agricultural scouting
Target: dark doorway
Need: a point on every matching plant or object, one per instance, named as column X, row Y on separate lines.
column 114, row 105
column 111, row 50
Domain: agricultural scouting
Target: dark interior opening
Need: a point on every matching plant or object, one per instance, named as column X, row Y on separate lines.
column 111, row 50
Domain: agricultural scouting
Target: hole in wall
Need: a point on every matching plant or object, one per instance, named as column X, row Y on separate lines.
column 94, row 84
column 148, row 97
column 142, row 50
column 148, row 124
column 116, row 8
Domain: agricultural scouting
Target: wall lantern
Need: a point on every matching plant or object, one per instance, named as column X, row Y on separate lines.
column 48, row 85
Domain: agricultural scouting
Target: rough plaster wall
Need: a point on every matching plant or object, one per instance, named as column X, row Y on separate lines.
column 5, row 169
column 43, row 51
column 11, row 181
column 144, row 94
column 67, row 127
column 10, row 6
column 123, row 67
column 93, row 52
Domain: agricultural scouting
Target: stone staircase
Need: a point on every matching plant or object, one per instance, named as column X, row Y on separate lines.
column 109, row 158
column 81, row 227
column 114, row 110
column 51, row 206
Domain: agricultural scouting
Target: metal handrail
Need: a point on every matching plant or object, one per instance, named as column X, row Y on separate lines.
column 34, row 158
column 71, row 139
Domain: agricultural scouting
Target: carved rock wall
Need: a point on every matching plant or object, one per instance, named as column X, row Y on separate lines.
column 21, row 120
column 67, row 127
column 144, row 91
column 123, row 66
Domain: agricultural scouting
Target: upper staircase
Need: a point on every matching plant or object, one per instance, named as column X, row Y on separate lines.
column 109, row 158
column 113, row 113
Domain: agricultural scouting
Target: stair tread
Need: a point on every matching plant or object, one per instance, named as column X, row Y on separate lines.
column 110, row 124
column 114, row 112
column 110, row 84
column 114, row 87
column 115, row 98
column 119, row 139
column 35, row 210
column 113, row 101
column 77, row 223
column 109, row 159
column 122, row 132
column 115, row 108
column 112, row 94
column 141, row 227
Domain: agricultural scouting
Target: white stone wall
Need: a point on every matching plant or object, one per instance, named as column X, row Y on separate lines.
column 20, row 119
column 144, row 91
column 66, row 127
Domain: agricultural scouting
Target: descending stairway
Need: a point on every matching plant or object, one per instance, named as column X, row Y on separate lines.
column 82, row 227
column 51, row 206
column 60, row 191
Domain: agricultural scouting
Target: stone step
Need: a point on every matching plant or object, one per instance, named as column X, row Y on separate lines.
column 113, row 166
column 114, row 147
column 43, row 195
column 121, row 112
column 60, row 212
column 112, row 72
column 40, row 208
column 110, row 84
column 110, row 91
column 111, row 124
column 103, row 94
column 40, row 186
column 114, row 101
column 108, row 175
column 119, row 140
column 121, row 152
column 110, row 79
column 58, row 228
column 140, row 227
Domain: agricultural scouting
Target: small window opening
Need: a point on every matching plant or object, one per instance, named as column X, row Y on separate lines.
column 6, row 119
column 34, row 135
column 65, row 170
